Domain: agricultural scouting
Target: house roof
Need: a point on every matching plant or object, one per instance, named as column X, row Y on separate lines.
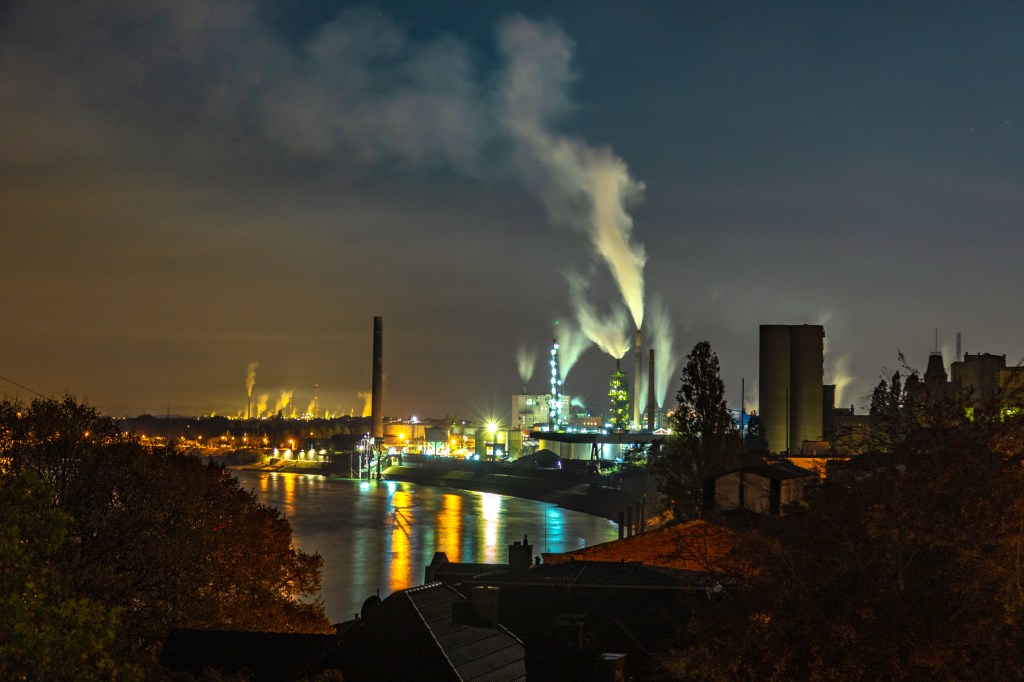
column 600, row 574
column 778, row 471
column 692, row 546
column 431, row 632
column 474, row 652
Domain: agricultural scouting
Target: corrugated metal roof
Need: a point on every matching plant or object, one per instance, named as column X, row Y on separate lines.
column 475, row 652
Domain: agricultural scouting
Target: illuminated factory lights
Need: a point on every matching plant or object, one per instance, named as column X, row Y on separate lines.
column 618, row 397
column 557, row 417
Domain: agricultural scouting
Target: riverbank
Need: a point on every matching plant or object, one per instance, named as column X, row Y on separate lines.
column 581, row 491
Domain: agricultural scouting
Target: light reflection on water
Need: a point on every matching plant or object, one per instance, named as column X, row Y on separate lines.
column 380, row 536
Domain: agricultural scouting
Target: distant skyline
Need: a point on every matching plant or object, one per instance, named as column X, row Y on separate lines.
column 186, row 189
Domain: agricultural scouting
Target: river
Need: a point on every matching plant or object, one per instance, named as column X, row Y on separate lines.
column 380, row 535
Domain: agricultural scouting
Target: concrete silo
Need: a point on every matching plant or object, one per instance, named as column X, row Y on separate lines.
column 790, row 384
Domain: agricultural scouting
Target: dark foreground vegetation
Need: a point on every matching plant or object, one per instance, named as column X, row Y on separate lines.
column 106, row 545
column 905, row 564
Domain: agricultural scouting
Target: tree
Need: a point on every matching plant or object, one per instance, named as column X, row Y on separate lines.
column 703, row 441
column 45, row 632
column 908, row 567
column 156, row 536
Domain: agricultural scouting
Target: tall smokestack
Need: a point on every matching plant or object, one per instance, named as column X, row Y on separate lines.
column 377, row 392
column 959, row 357
column 637, row 369
column 651, row 403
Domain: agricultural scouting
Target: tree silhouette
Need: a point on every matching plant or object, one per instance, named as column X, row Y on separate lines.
column 703, row 441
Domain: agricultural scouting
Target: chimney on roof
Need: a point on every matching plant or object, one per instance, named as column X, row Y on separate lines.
column 484, row 600
column 520, row 555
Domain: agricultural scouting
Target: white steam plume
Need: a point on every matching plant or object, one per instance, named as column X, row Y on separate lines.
column 250, row 377
column 367, row 398
column 526, row 362
column 571, row 344
column 261, row 404
column 663, row 340
column 283, row 401
column 608, row 332
column 839, row 374
column 583, row 187
column 310, row 409
column 837, row 365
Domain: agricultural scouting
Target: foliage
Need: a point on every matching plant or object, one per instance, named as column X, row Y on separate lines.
column 703, row 441
column 44, row 632
column 906, row 566
column 636, row 455
column 157, row 537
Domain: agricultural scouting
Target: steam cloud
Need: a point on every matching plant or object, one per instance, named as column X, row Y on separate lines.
column 572, row 178
column 838, row 373
column 358, row 93
column 367, row 398
column 261, row 404
column 283, row 400
column 571, row 344
column 526, row 362
column 837, row 365
column 608, row 332
column 250, row 377
column 666, row 357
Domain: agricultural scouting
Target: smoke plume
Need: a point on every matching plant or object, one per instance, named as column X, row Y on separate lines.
column 608, row 332
column 837, row 365
column 311, row 408
column 526, row 362
column 283, row 401
column 582, row 187
column 367, row 398
column 838, row 373
column 571, row 344
column 250, row 377
column 666, row 357
column 261, row 404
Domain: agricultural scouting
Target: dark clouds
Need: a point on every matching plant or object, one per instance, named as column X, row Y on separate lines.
column 185, row 189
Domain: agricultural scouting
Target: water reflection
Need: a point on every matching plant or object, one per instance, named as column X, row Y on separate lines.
column 449, row 524
column 490, row 510
column 380, row 536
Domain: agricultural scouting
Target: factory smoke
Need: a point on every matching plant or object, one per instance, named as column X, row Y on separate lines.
column 526, row 362
column 283, row 401
column 250, row 377
column 367, row 398
column 261, row 404
column 662, row 339
column 571, row 344
column 837, row 371
column 609, row 332
column 582, row 187
column 837, row 365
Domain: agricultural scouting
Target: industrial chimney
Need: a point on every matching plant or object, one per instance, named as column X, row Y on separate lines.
column 651, row 402
column 377, row 395
column 637, row 369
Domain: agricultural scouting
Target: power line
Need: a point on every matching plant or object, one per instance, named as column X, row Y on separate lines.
column 12, row 381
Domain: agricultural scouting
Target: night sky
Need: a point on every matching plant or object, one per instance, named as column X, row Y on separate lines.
column 189, row 187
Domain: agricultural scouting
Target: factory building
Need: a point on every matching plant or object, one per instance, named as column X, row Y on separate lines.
column 791, row 390
column 530, row 411
column 986, row 383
